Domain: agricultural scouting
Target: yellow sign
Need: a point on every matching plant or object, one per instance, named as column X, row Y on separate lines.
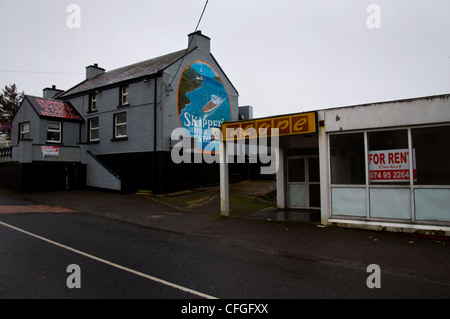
column 303, row 123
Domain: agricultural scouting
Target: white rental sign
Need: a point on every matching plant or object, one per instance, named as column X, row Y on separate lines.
column 390, row 166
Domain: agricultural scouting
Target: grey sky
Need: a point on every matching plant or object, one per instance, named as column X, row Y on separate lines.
column 282, row 56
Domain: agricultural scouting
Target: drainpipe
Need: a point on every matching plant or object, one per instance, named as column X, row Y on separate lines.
column 155, row 179
column 154, row 114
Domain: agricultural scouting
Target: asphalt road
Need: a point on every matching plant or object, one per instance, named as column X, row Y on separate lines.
column 120, row 260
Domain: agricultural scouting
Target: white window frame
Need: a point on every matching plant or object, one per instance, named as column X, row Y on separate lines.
column 124, row 93
column 51, row 130
column 91, row 128
column 411, row 187
column 117, row 125
column 93, row 105
column 24, row 131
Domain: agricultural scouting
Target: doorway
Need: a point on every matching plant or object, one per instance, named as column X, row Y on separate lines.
column 303, row 179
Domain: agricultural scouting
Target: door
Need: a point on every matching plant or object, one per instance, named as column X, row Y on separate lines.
column 303, row 182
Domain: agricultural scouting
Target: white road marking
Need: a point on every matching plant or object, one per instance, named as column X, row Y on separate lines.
column 138, row 273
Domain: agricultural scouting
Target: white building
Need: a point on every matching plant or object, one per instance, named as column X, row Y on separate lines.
column 378, row 166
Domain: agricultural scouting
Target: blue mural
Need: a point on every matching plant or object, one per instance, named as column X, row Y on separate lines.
column 203, row 102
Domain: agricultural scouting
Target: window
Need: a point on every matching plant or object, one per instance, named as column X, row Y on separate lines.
column 54, row 132
column 389, row 157
column 25, row 131
column 347, row 159
column 93, row 102
column 432, row 153
column 124, row 92
column 94, row 130
column 120, row 125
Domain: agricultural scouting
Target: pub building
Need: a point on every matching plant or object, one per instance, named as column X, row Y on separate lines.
column 381, row 166
column 113, row 130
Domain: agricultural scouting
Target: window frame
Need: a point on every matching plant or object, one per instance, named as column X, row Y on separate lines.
column 59, row 131
column 124, row 95
column 22, row 132
column 90, row 129
column 116, row 125
column 368, row 213
column 93, row 102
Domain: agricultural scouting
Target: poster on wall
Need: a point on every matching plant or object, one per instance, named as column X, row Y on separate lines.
column 203, row 103
column 50, row 151
column 390, row 166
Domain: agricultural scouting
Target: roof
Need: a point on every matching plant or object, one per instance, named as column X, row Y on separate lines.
column 48, row 108
column 127, row 73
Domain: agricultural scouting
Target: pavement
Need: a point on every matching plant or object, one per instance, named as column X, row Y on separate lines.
column 256, row 223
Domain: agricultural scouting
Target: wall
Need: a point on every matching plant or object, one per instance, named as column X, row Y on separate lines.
column 139, row 119
column 25, row 113
column 389, row 114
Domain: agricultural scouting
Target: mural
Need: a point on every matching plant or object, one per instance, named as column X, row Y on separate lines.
column 203, row 103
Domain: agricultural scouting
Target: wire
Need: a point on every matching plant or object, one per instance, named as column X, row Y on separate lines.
column 192, row 38
column 39, row 72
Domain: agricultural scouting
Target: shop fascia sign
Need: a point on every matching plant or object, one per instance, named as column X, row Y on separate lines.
column 391, row 166
column 304, row 123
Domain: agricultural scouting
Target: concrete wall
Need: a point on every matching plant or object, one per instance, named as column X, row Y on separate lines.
column 99, row 176
column 391, row 114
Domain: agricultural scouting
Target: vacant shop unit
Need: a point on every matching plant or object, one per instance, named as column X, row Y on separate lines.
column 379, row 166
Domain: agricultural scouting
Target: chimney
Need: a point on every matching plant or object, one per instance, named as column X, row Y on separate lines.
column 49, row 93
column 197, row 39
column 93, row 70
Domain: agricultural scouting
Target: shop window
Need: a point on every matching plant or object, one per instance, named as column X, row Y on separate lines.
column 54, row 132
column 347, row 159
column 389, row 157
column 25, row 131
column 432, row 153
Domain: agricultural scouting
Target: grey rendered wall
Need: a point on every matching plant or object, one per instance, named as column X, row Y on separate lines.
column 139, row 119
column 26, row 114
column 99, row 176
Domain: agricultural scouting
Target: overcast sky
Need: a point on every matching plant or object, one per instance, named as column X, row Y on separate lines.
column 282, row 56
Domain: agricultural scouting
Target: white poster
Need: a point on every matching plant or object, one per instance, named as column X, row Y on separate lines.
column 390, row 166
column 50, row 151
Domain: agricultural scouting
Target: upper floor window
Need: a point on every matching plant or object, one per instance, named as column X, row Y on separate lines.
column 24, row 130
column 120, row 125
column 124, row 95
column 93, row 102
column 94, row 130
column 54, row 132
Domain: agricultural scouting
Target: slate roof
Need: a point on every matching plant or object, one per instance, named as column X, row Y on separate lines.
column 48, row 108
column 126, row 73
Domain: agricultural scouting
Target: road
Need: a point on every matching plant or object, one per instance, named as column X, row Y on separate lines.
column 121, row 260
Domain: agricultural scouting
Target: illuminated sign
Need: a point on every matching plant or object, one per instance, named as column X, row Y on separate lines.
column 304, row 123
